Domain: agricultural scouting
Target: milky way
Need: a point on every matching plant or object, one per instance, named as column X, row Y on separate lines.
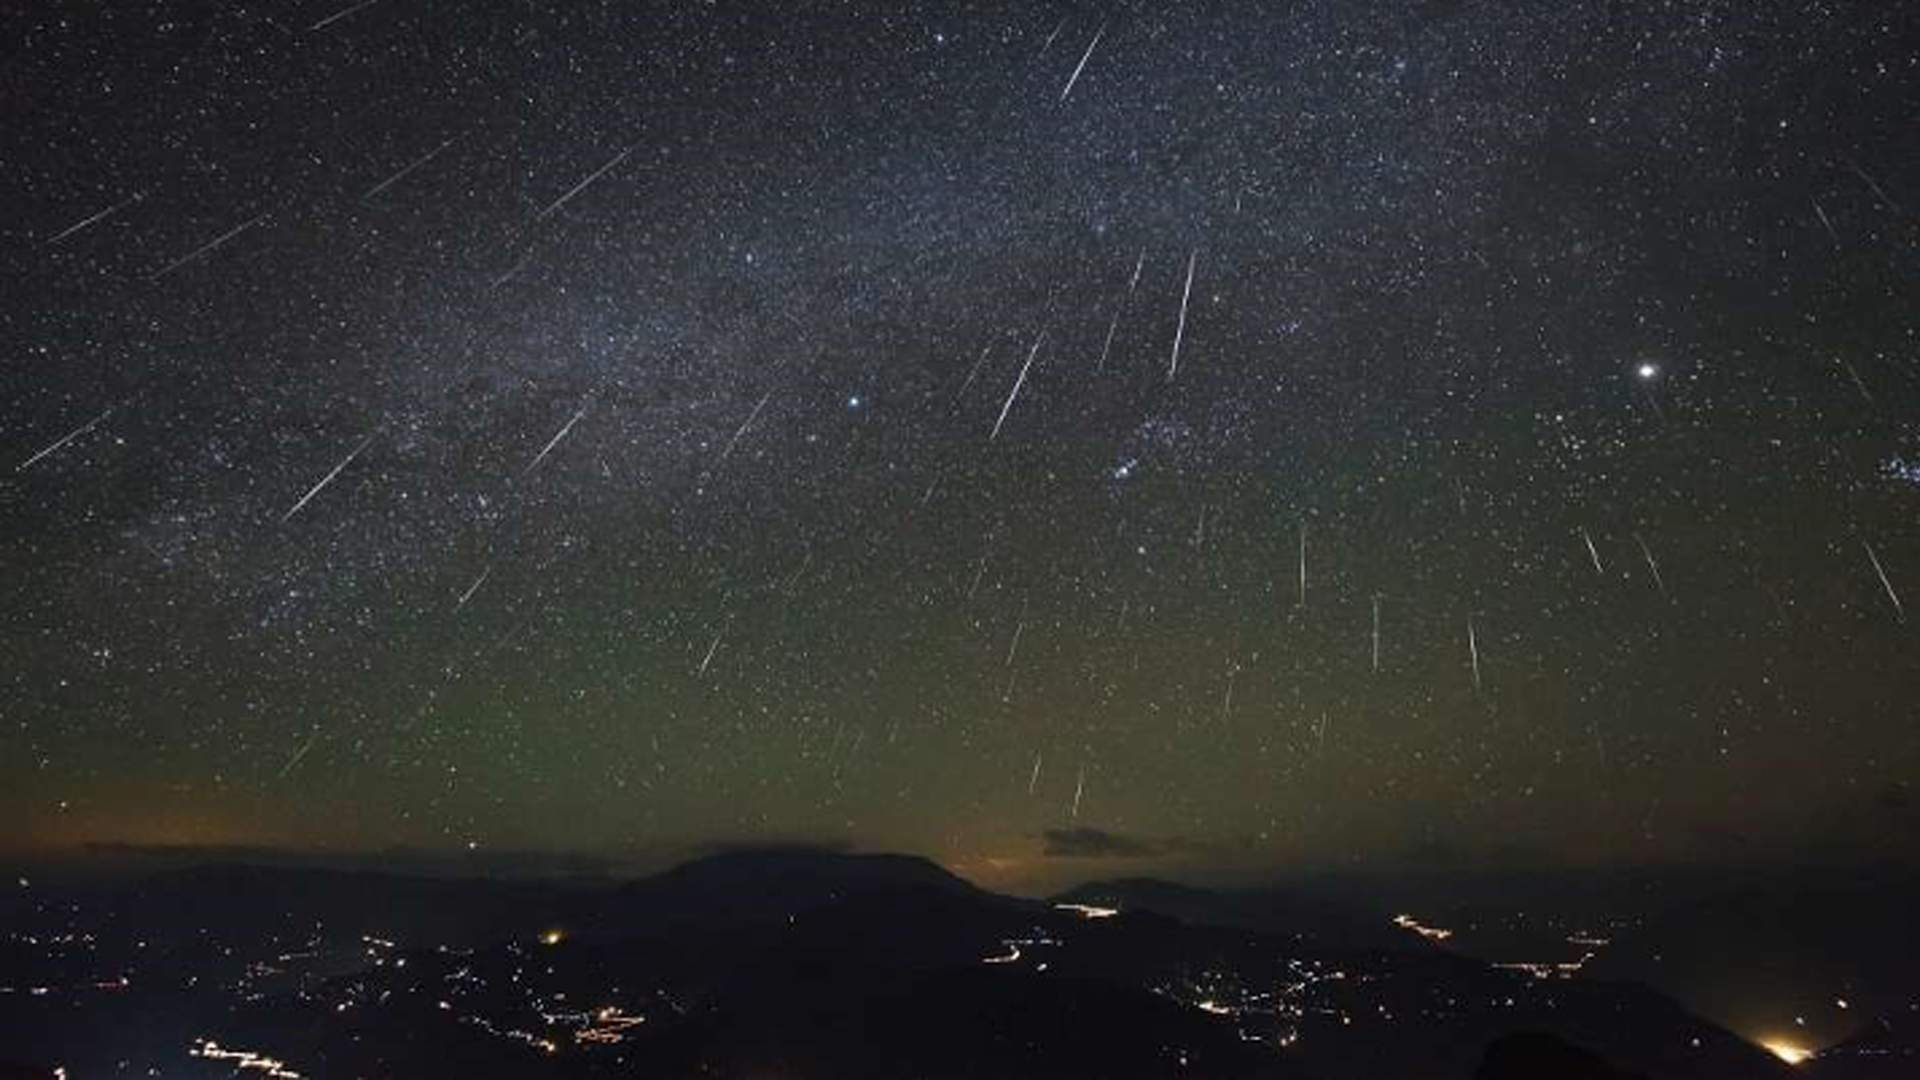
column 1314, row 432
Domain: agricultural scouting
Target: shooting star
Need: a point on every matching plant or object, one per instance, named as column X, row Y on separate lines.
column 208, row 247
column 582, row 185
column 1376, row 634
column 804, row 564
column 1592, row 552
column 403, row 173
column 87, row 223
column 299, row 754
column 1653, row 566
column 1180, row 331
column 1899, row 610
column 973, row 374
column 1473, row 651
column 1112, row 328
column 1082, row 66
column 1017, row 384
column 473, row 588
column 1303, row 564
column 1079, row 789
column 508, row 275
column 735, row 441
column 328, row 479
column 1014, row 649
column 55, row 446
column 1052, row 36
column 1824, row 220
column 711, row 649
column 1858, row 383
column 1863, row 174
column 1226, row 702
column 338, row 15
column 1034, row 780
column 555, row 441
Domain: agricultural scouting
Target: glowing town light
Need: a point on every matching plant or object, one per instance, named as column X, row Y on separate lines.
column 1786, row 1051
column 1431, row 933
column 1089, row 911
column 1010, row 956
column 244, row 1059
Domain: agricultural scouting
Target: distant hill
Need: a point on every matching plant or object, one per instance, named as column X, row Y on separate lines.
column 752, row 887
column 810, row 964
column 1731, row 943
column 1882, row 1050
column 1275, row 911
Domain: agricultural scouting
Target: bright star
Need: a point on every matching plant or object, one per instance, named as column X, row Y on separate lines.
column 1646, row 371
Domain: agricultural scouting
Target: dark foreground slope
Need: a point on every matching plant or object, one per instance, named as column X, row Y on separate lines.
column 792, row 964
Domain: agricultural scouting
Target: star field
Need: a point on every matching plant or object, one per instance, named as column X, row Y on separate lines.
column 1283, row 434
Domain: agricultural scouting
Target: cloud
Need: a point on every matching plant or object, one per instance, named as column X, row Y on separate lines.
column 1098, row 844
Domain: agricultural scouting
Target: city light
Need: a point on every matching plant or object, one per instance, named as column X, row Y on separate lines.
column 1788, row 1052
column 1431, row 933
column 1089, row 911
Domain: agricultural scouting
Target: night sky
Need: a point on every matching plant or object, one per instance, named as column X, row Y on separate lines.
column 1031, row 435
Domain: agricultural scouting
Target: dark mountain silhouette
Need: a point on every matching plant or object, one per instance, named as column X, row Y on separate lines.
column 1881, row 1050
column 1723, row 942
column 749, row 888
column 1277, row 911
column 807, row 964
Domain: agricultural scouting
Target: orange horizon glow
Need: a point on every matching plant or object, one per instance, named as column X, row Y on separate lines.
column 1791, row 1053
